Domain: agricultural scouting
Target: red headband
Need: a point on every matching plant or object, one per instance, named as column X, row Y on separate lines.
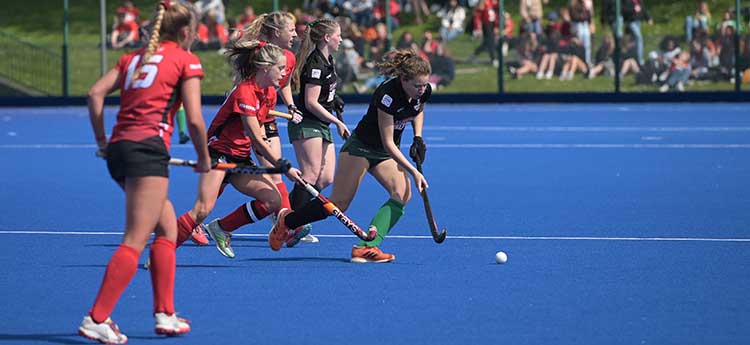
column 167, row 4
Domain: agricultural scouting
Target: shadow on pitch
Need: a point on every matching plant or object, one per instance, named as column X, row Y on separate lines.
column 297, row 259
column 58, row 338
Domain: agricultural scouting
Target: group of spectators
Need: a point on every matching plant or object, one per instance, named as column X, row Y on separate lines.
column 559, row 44
column 212, row 30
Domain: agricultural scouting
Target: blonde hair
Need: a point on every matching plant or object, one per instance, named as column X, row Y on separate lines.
column 245, row 56
column 405, row 64
column 167, row 25
column 265, row 25
column 314, row 34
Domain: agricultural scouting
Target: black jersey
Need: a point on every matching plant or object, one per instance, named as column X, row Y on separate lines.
column 391, row 99
column 318, row 70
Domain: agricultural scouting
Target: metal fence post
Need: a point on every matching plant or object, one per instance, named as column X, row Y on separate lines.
column 501, row 41
column 65, row 66
column 737, row 79
column 103, row 35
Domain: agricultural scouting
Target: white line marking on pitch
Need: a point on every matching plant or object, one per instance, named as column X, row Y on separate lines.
column 457, row 237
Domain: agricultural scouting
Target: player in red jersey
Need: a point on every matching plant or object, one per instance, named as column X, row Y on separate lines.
column 276, row 28
column 153, row 82
column 258, row 69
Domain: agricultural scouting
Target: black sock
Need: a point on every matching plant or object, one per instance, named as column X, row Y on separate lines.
column 299, row 197
column 313, row 211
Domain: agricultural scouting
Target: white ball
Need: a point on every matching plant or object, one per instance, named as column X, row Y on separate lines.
column 501, row 257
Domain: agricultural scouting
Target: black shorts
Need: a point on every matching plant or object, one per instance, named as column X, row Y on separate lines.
column 219, row 157
column 272, row 131
column 127, row 158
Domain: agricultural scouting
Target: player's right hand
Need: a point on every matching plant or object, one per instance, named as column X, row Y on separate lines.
column 343, row 130
column 203, row 166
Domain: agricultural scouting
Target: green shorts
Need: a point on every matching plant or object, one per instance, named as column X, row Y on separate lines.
column 356, row 147
column 309, row 129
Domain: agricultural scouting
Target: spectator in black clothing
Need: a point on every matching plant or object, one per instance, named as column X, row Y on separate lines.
column 443, row 67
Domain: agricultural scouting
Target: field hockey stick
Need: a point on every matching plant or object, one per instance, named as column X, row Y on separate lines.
column 233, row 167
column 336, row 212
column 437, row 237
column 280, row 114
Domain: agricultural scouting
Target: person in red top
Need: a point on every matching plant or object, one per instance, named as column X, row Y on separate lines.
column 153, row 82
column 277, row 28
column 248, row 16
column 212, row 34
column 258, row 69
column 485, row 25
column 131, row 12
column 125, row 32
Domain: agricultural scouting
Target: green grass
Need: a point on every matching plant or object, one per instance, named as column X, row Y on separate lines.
column 480, row 77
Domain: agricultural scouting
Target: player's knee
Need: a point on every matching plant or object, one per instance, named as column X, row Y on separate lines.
column 202, row 210
column 401, row 196
column 272, row 204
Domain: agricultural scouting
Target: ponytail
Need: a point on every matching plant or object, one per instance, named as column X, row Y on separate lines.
column 314, row 34
column 404, row 63
column 244, row 57
column 153, row 41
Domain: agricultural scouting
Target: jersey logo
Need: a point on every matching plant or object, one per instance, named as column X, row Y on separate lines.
column 329, row 76
column 316, row 73
column 249, row 107
column 387, row 100
column 195, row 66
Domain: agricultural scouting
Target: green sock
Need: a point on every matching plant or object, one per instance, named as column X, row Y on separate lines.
column 384, row 220
column 181, row 125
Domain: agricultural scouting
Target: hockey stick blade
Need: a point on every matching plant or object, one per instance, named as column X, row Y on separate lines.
column 438, row 237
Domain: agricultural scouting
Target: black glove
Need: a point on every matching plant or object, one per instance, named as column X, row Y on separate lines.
column 418, row 150
column 338, row 106
column 284, row 165
column 296, row 113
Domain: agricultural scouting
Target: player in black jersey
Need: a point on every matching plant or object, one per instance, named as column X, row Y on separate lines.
column 374, row 148
column 315, row 75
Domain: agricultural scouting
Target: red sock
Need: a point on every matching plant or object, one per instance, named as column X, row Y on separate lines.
column 250, row 212
column 284, row 196
column 185, row 226
column 162, row 274
column 120, row 271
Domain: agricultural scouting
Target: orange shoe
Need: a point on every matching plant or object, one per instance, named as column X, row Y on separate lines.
column 279, row 232
column 362, row 255
column 198, row 236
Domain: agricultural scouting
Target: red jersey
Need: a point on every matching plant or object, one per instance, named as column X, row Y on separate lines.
column 227, row 132
column 130, row 26
column 219, row 33
column 290, row 61
column 148, row 104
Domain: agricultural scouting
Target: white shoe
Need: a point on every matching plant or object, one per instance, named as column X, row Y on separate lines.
column 222, row 238
column 496, row 63
column 309, row 239
column 106, row 332
column 664, row 88
column 170, row 324
column 680, row 87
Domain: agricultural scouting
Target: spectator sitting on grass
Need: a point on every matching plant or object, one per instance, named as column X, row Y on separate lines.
column 678, row 74
column 443, row 67
column 247, row 17
column 212, row 34
column 125, row 34
column 603, row 58
column 528, row 54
